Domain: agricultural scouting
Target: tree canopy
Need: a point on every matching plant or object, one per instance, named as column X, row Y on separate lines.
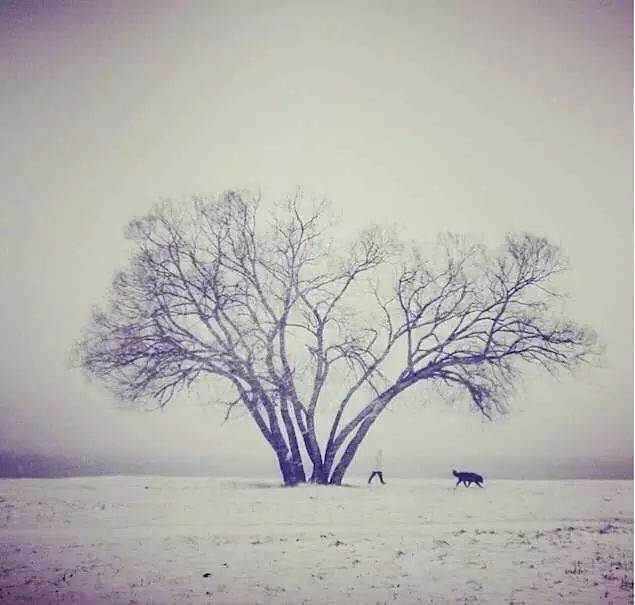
column 280, row 314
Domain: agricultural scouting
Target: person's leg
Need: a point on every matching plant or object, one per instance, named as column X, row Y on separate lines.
column 372, row 475
column 381, row 477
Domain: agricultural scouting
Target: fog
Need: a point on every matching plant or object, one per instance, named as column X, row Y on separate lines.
column 474, row 117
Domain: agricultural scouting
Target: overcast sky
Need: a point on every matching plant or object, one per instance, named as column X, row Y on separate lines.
column 475, row 117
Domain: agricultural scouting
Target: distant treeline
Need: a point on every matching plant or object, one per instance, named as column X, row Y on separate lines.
column 17, row 465
column 36, row 465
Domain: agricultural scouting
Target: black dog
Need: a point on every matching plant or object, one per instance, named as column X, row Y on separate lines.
column 467, row 478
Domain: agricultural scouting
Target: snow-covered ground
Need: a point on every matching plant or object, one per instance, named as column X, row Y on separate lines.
column 177, row 540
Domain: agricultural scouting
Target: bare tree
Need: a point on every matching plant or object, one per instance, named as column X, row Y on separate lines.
column 269, row 307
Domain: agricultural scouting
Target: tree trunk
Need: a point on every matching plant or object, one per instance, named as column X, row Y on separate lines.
column 350, row 451
column 295, row 458
column 290, row 471
column 318, row 475
column 285, row 469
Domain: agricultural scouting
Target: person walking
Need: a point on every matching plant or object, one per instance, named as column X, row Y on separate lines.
column 377, row 469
